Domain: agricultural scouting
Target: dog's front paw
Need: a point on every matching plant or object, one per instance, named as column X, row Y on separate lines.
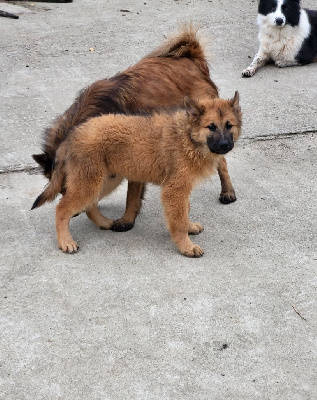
column 195, row 228
column 69, row 246
column 227, row 197
column 247, row 73
column 194, row 252
column 120, row 225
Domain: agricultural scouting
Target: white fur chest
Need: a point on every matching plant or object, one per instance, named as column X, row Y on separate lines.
column 282, row 43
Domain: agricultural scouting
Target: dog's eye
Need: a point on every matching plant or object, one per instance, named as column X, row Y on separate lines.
column 212, row 127
column 273, row 8
column 228, row 125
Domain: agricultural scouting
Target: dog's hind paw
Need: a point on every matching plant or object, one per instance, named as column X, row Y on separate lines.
column 195, row 228
column 282, row 64
column 106, row 225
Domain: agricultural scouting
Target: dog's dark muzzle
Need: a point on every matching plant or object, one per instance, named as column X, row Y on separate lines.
column 220, row 145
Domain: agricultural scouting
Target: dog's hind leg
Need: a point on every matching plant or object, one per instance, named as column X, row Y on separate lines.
column 227, row 194
column 285, row 63
column 194, row 228
column 133, row 206
column 65, row 210
column 93, row 212
column 80, row 194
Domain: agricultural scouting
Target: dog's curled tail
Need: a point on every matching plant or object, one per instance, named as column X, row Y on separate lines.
column 53, row 188
column 184, row 43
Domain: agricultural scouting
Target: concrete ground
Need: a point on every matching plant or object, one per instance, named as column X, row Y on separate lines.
column 127, row 317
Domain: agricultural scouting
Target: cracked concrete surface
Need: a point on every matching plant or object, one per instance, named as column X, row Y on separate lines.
column 128, row 317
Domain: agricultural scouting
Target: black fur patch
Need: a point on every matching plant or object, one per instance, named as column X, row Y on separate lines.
column 267, row 6
column 37, row 201
column 308, row 51
column 119, row 226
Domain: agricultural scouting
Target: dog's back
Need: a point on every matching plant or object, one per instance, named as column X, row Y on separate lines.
column 308, row 52
column 161, row 79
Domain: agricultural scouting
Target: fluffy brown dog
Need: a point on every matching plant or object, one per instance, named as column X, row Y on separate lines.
column 161, row 79
column 172, row 150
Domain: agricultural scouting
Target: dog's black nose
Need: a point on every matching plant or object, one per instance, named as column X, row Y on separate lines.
column 279, row 21
column 224, row 144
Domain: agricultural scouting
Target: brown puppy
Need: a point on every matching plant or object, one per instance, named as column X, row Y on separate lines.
column 161, row 79
column 172, row 150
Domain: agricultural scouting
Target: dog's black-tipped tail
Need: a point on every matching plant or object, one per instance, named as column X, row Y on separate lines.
column 52, row 190
column 39, row 201
column 48, row 195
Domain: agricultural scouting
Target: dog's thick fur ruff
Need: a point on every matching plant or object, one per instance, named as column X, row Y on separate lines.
column 161, row 79
column 287, row 35
column 174, row 150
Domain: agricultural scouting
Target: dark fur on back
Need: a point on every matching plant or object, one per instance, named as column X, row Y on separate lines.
column 161, row 79
column 308, row 52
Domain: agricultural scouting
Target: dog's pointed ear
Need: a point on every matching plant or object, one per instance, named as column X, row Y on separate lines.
column 193, row 109
column 235, row 101
column 236, row 106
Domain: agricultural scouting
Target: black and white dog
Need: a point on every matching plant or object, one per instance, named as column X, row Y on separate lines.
column 287, row 35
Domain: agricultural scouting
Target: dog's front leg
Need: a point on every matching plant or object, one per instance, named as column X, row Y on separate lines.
column 259, row 61
column 133, row 206
column 176, row 206
column 227, row 194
